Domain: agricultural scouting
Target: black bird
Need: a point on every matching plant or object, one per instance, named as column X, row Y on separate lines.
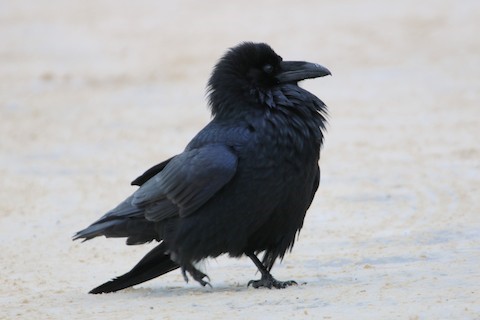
column 242, row 186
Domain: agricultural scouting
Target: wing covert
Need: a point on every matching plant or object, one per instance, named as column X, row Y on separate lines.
column 188, row 181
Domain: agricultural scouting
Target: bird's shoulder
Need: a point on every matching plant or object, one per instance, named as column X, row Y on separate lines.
column 227, row 133
column 230, row 132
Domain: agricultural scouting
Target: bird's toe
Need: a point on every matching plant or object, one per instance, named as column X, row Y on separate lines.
column 270, row 282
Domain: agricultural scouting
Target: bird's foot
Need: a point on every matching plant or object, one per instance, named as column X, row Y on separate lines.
column 196, row 274
column 269, row 282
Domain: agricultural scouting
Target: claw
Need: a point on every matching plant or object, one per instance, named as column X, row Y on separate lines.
column 205, row 283
column 197, row 275
column 269, row 282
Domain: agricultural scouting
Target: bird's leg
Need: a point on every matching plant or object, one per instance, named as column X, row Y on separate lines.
column 196, row 274
column 267, row 280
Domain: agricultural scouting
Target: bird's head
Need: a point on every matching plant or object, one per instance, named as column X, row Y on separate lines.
column 251, row 70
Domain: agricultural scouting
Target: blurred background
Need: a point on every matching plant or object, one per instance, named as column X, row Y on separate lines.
column 92, row 93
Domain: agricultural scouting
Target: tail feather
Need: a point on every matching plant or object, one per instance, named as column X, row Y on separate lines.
column 137, row 231
column 124, row 221
column 94, row 230
column 154, row 264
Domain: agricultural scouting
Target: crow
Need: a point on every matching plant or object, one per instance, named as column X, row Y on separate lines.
column 242, row 185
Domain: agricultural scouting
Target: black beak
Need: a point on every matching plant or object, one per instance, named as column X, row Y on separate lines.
column 294, row 71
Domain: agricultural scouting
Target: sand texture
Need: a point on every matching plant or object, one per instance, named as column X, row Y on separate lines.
column 92, row 93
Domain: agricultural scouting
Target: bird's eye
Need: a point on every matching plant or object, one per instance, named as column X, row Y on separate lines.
column 268, row 68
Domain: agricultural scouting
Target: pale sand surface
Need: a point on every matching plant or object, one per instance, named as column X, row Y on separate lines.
column 92, row 93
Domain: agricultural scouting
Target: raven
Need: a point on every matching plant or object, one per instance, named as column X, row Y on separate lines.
column 243, row 184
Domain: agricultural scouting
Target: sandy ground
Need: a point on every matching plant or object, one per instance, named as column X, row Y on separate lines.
column 92, row 93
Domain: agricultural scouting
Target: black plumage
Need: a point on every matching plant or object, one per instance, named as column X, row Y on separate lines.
column 243, row 184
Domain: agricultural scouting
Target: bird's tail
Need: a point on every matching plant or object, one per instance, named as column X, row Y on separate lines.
column 154, row 264
column 124, row 221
